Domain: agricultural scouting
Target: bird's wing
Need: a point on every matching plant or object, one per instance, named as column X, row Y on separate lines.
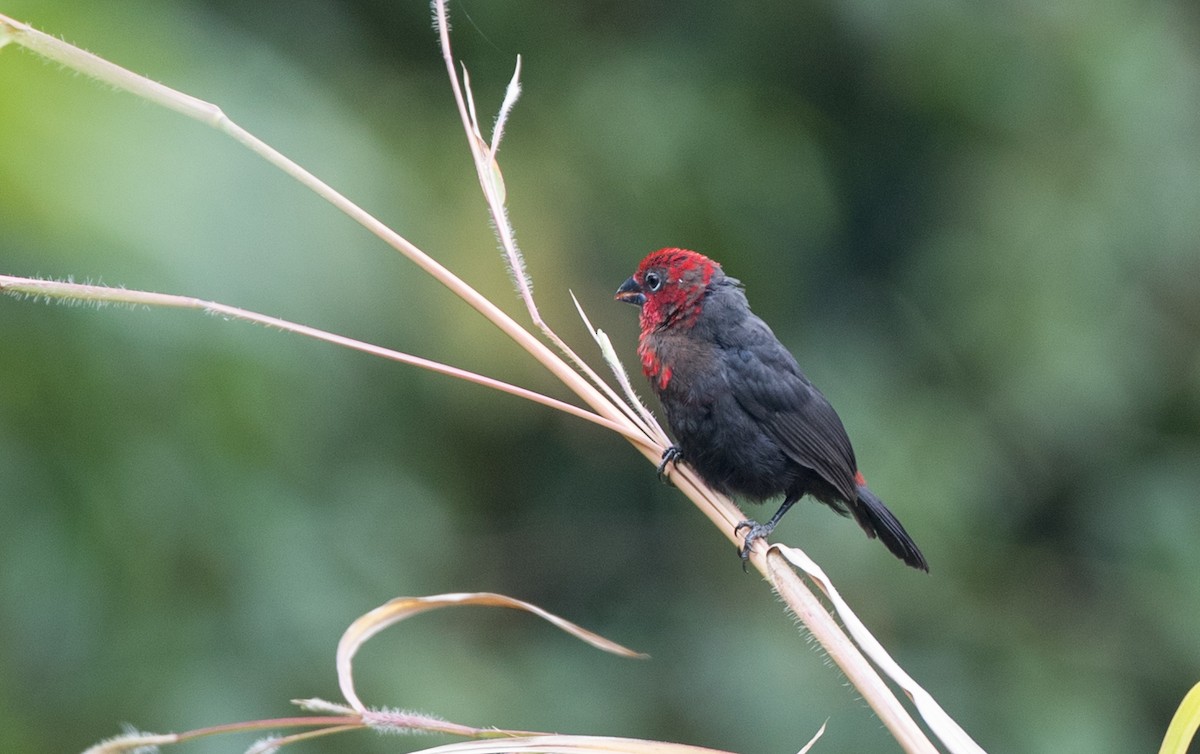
column 769, row 385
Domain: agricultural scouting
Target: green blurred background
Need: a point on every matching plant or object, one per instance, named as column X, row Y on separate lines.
column 976, row 224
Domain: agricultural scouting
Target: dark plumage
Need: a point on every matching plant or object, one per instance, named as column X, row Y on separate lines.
column 744, row 415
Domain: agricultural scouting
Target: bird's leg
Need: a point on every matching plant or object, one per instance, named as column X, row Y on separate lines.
column 669, row 456
column 756, row 531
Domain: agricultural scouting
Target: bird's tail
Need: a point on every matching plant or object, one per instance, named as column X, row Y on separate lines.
column 877, row 521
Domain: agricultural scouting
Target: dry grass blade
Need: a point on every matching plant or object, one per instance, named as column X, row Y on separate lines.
column 556, row 744
column 949, row 732
column 494, row 181
column 81, row 293
column 816, row 737
column 272, row 744
column 635, row 409
column 401, row 608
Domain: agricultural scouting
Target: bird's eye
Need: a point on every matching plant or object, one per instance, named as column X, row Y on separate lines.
column 654, row 281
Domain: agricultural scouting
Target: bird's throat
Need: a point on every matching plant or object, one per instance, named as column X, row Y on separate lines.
column 655, row 369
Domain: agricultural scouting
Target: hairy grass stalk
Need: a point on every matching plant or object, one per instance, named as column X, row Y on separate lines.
column 99, row 295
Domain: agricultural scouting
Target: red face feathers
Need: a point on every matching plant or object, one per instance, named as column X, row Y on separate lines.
column 669, row 286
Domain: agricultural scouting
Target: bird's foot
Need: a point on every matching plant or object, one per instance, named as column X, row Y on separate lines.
column 754, row 532
column 669, row 456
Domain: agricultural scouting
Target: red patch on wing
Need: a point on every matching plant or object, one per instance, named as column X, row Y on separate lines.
column 859, row 479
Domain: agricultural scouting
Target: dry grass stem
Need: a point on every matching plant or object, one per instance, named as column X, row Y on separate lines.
column 943, row 726
column 82, row 293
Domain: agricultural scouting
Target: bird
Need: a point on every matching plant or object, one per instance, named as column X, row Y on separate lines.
column 743, row 414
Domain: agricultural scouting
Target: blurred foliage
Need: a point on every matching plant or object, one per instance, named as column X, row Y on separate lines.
column 977, row 225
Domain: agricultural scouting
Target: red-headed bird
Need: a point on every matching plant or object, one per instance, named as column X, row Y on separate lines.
column 743, row 414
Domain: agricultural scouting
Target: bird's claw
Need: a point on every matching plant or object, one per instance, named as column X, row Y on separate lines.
column 669, row 456
column 754, row 532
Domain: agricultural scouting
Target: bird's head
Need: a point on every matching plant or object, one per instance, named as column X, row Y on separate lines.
column 669, row 286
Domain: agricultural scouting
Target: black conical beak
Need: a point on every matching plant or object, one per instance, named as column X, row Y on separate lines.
column 631, row 293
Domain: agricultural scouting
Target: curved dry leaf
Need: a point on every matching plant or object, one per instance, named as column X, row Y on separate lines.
column 400, row 608
column 556, row 744
column 951, row 734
